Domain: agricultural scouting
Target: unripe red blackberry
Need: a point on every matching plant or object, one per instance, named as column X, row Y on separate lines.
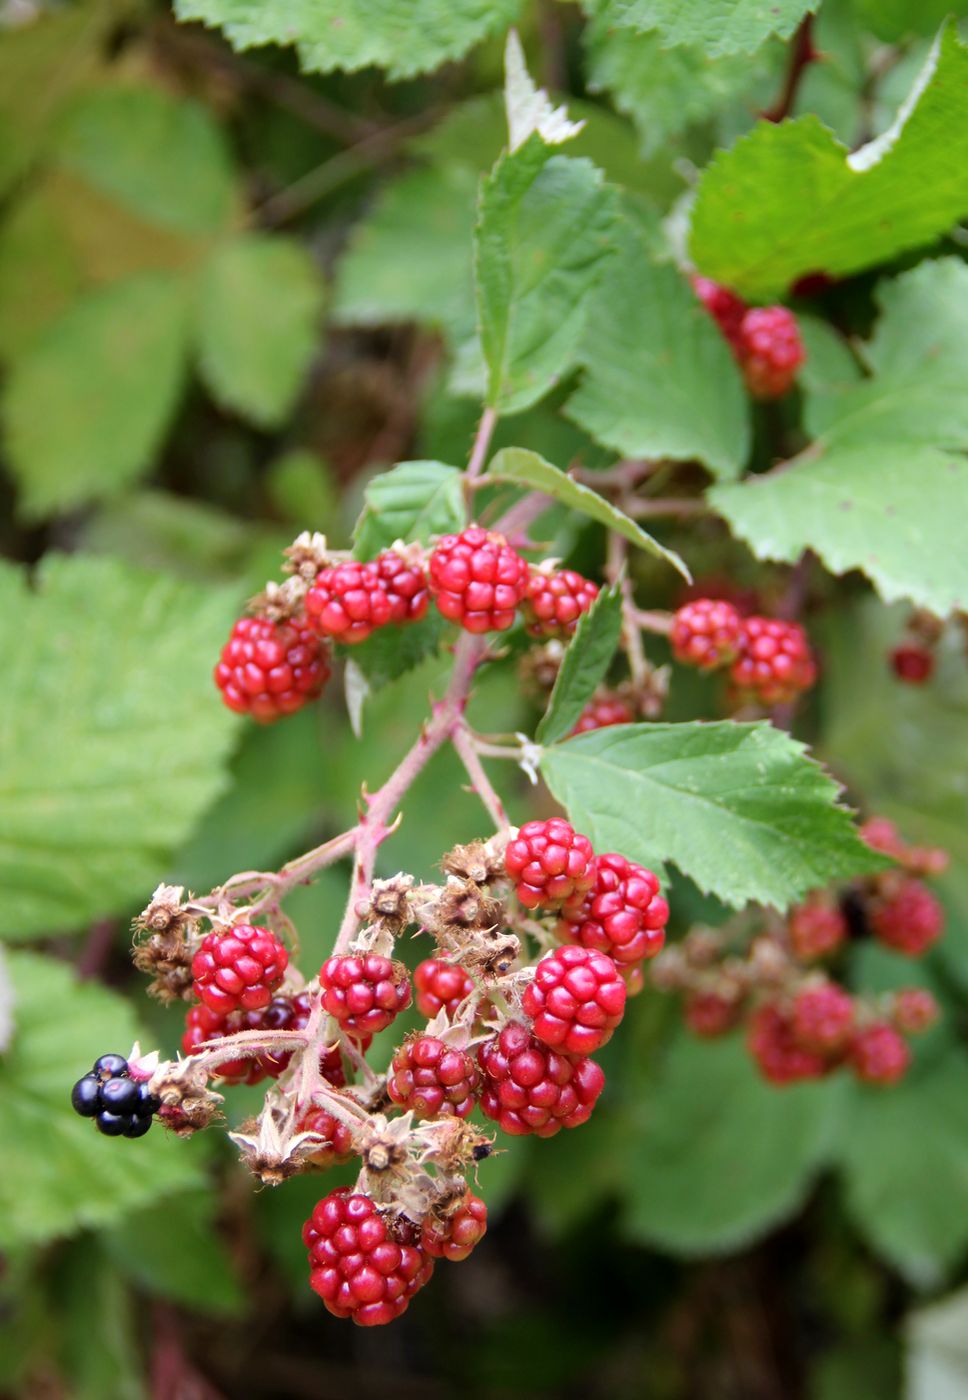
column 770, row 351
column 405, row 584
column 879, row 1055
column 822, row 1019
column 456, row 1235
column 270, row 669
column 914, row 1010
column 478, row 580
column 549, row 862
column 356, row 1266
column 292, row 1014
column 708, row 1015
column 775, row 662
column 202, row 1025
column 556, row 601
column 528, row 1088
column 364, row 994
column 623, row 914
column 912, row 663
column 433, row 1079
column 238, row 968
column 780, row 1058
column 706, row 633
column 348, row 601
column 725, row 307
column 817, row 928
column 882, row 835
column 907, row 917
column 336, row 1143
column 441, row 986
column 576, row 999
column 603, row 711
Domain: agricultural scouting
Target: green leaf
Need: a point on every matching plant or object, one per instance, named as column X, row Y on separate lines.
column 899, row 1141
column 789, row 198
column 527, row 469
column 739, row 808
column 665, row 90
column 396, row 35
column 160, row 157
column 131, row 750
column 393, row 651
column 39, row 272
column 413, row 501
column 885, row 509
column 113, row 365
column 586, row 661
column 258, row 313
column 90, row 1300
column 59, row 1174
column 545, row 230
column 717, row 26
column 716, row 1157
column 174, row 1249
column 660, row 380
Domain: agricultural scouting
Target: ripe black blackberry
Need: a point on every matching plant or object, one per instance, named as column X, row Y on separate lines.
column 120, row 1106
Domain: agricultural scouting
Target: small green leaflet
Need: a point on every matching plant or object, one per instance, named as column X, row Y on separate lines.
column 790, row 199
column 527, row 469
column 739, row 808
column 717, row 26
column 59, row 1173
column 586, row 661
column 412, row 501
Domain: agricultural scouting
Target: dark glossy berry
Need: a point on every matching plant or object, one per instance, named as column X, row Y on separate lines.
column 136, row 1125
column 85, row 1096
column 478, row 580
column 549, row 862
column 108, row 1065
column 148, row 1103
column 270, row 669
column 120, row 1095
column 112, row 1124
column 238, row 968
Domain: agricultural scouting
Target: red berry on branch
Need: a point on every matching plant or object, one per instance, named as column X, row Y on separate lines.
column 556, row 601
column 914, row 1010
column 270, row 669
column 356, row 1266
column 623, row 914
column 478, row 580
column 907, row 917
column 603, row 711
column 708, row 1015
column 364, row 994
column 238, row 968
column 879, row 1055
column 441, row 986
column 433, row 1079
column 406, row 586
column 348, row 602
column 336, row 1143
column 817, row 928
column 823, row 1018
column 770, row 351
column 707, row 633
column 779, row 1056
column 549, row 862
column 883, row 836
column 456, row 1235
column 529, row 1088
column 576, row 999
column 292, row 1014
column 202, row 1025
column 775, row 662
column 725, row 307
column 912, row 663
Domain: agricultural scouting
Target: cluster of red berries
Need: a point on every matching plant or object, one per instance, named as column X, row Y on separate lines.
column 765, row 339
column 802, row 1023
column 271, row 667
column 770, row 661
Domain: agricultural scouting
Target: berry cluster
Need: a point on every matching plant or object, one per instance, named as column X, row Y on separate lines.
column 770, row 661
column 802, row 1022
column 765, row 339
column 121, row 1105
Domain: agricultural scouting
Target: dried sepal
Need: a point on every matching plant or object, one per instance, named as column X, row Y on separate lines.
column 187, row 1103
column 481, row 862
column 306, row 555
column 163, row 934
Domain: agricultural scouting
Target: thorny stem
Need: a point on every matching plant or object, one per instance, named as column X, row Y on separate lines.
column 468, row 755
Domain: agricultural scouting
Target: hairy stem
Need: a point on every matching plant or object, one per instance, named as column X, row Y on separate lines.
column 478, row 457
column 481, row 783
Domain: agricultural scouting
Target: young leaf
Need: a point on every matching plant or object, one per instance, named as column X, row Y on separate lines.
column 527, row 469
column 730, row 26
column 718, row 1156
column 413, row 501
column 789, row 199
column 586, row 660
column 659, row 380
column 544, row 232
column 133, row 742
column 397, row 35
column 739, row 808
column 59, row 1174
column 258, row 324
column 112, row 366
